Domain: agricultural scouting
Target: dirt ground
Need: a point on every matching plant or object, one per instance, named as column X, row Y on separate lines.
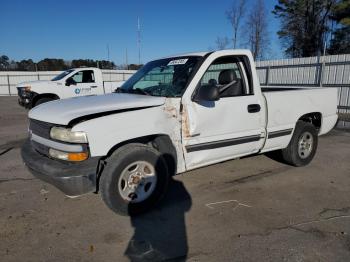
column 251, row 209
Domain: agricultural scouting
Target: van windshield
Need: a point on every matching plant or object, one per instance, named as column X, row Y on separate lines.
column 165, row 77
column 62, row 75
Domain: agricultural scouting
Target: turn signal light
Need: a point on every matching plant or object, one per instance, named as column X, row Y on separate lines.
column 77, row 156
column 68, row 156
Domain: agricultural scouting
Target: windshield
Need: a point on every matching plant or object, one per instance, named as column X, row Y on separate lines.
column 62, row 75
column 165, row 77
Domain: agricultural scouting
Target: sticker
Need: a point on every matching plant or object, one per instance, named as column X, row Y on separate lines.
column 178, row 62
column 77, row 91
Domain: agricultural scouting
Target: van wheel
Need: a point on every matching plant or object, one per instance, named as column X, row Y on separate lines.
column 43, row 100
column 134, row 180
column 303, row 145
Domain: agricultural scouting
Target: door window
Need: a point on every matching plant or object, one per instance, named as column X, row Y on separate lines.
column 85, row 76
column 226, row 74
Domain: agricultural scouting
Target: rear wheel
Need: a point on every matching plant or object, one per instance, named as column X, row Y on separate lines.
column 303, row 145
column 134, row 180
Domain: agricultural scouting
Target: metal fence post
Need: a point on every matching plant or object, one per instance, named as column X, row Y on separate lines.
column 267, row 75
column 320, row 73
column 8, row 84
column 38, row 77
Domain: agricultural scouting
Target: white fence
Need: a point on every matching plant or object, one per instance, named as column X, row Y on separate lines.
column 331, row 71
column 9, row 80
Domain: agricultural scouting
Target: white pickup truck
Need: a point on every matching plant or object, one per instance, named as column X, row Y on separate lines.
column 70, row 83
column 175, row 114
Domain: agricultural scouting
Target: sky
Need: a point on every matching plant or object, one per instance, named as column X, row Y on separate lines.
column 74, row 29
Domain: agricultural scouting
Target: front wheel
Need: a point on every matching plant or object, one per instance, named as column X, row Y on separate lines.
column 134, row 180
column 303, row 145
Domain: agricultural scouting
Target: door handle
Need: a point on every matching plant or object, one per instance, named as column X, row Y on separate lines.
column 93, row 86
column 254, row 108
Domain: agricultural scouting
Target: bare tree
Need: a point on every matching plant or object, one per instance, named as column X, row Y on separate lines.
column 235, row 15
column 257, row 32
column 222, row 42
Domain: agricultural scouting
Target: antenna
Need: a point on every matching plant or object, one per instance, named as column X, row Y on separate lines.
column 139, row 38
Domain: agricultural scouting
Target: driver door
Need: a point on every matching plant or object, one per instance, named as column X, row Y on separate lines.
column 215, row 131
column 84, row 84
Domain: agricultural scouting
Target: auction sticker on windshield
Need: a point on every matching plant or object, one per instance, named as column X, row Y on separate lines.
column 178, row 62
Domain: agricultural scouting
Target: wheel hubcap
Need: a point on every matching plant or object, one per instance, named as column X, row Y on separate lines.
column 305, row 145
column 137, row 181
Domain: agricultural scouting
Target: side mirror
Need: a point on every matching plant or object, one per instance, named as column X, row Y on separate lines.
column 207, row 93
column 70, row 81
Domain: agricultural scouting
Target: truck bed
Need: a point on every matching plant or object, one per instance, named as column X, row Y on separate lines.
column 285, row 107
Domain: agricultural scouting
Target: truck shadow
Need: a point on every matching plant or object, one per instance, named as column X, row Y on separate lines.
column 160, row 234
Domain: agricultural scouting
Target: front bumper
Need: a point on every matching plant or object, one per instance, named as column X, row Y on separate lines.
column 73, row 179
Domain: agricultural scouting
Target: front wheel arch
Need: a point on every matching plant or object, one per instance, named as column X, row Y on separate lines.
column 160, row 142
column 41, row 96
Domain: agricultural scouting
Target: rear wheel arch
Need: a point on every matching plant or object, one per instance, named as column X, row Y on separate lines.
column 314, row 118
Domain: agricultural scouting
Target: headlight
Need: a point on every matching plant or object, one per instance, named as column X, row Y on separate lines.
column 68, row 156
column 67, row 135
column 24, row 88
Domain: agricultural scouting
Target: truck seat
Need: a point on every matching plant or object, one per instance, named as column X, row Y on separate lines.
column 234, row 88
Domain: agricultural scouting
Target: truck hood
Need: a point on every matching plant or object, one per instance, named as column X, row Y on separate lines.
column 62, row 112
column 39, row 83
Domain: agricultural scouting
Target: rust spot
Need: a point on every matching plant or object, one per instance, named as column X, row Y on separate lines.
column 171, row 110
column 185, row 123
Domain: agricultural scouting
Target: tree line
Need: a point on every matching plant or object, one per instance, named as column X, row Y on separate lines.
column 307, row 27
column 54, row 64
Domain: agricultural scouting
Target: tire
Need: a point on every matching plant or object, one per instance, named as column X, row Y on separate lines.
column 134, row 165
column 43, row 100
column 303, row 145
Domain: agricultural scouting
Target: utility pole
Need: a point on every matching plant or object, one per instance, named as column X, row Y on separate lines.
column 108, row 52
column 139, row 38
column 126, row 59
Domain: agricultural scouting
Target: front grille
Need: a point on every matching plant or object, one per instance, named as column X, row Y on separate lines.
column 40, row 128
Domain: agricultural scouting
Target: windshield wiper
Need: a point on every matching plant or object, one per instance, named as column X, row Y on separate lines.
column 141, row 91
column 119, row 90
column 132, row 91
